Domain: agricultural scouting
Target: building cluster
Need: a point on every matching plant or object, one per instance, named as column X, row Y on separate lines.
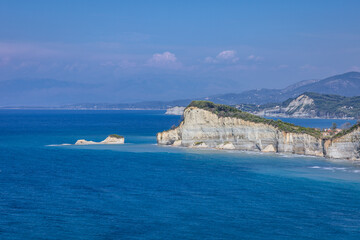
column 330, row 131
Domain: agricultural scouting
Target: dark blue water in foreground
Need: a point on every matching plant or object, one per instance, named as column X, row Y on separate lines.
column 142, row 191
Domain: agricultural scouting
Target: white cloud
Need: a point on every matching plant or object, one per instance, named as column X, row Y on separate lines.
column 166, row 59
column 4, row 61
column 75, row 67
column 355, row 68
column 27, row 49
column 254, row 58
column 224, row 56
column 308, row 67
column 210, row 60
column 227, row 55
column 282, row 66
column 119, row 64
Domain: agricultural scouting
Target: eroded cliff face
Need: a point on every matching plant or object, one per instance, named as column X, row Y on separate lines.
column 301, row 107
column 345, row 147
column 202, row 128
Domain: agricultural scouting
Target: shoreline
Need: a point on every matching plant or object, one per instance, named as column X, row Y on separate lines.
column 287, row 155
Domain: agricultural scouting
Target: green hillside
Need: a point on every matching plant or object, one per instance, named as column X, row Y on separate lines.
column 335, row 105
column 325, row 106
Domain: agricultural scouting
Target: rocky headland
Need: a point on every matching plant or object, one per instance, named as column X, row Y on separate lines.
column 111, row 139
column 209, row 125
column 309, row 105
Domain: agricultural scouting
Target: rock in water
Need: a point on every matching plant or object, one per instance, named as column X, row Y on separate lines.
column 84, row 142
column 111, row 139
column 114, row 139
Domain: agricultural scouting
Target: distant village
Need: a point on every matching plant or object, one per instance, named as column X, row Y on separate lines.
column 333, row 130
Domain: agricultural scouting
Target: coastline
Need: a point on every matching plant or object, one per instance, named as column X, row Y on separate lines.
column 259, row 153
column 209, row 125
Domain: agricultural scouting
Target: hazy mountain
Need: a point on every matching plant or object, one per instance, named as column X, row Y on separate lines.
column 49, row 92
column 140, row 105
column 347, row 84
column 41, row 92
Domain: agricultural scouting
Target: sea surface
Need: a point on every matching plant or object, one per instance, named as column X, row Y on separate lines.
column 143, row 191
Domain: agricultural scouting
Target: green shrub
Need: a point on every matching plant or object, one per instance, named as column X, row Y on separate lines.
column 346, row 131
column 115, row 136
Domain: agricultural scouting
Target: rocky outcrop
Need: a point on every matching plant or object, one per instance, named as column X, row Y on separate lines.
column 344, row 147
column 175, row 111
column 309, row 105
column 202, row 128
column 111, row 139
column 300, row 107
column 85, row 142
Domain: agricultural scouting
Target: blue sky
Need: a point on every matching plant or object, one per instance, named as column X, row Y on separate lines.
column 162, row 50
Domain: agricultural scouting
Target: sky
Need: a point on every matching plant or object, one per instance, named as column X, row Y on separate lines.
column 128, row 51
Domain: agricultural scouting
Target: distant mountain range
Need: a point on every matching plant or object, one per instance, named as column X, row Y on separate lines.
column 150, row 105
column 347, row 84
column 40, row 92
column 309, row 105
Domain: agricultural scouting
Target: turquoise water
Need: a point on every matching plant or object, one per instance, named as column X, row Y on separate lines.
column 143, row 191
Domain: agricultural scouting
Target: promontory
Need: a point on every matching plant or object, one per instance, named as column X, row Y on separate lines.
column 209, row 125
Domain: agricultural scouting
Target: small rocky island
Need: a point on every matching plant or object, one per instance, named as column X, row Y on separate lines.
column 209, row 125
column 111, row 139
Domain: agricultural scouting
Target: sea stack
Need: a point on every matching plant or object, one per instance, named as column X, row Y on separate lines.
column 111, row 139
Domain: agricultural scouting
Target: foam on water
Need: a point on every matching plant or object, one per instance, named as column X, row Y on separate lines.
column 58, row 145
column 334, row 169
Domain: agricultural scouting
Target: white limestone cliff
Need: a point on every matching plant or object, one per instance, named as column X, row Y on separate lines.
column 202, row 128
column 344, row 147
column 300, row 107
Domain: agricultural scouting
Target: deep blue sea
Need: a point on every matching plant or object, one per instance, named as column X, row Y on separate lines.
column 143, row 191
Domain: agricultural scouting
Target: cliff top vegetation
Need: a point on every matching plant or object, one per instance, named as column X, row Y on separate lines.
column 228, row 111
column 346, row 131
column 115, row 136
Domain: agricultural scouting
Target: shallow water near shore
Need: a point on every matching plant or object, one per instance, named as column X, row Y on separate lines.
column 143, row 191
